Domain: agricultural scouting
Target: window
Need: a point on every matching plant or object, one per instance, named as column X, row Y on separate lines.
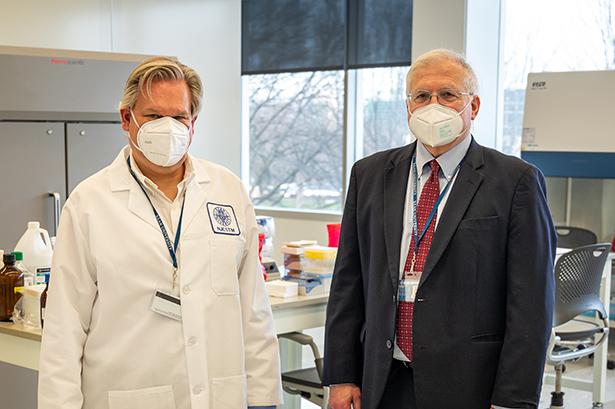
column 323, row 85
column 296, row 139
column 381, row 109
column 550, row 35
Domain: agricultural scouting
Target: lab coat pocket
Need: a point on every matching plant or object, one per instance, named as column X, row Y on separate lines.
column 230, row 392
column 223, row 266
column 158, row 397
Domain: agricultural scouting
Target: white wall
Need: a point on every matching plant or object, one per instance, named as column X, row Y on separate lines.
column 205, row 34
column 471, row 27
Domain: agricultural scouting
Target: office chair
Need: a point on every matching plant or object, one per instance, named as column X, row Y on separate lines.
column 578, row 274
column 306, row 382
column 572, row 237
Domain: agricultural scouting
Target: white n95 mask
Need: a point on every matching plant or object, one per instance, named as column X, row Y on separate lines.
column 163, row 141
column 436, row 125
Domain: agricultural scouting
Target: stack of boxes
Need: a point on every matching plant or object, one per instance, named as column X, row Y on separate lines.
column 293, row 257
column 309, row 265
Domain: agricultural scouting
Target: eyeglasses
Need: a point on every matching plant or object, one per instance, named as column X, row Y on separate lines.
column 445, row 96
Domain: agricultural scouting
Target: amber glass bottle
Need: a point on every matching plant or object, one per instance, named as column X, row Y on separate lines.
column 11, row 280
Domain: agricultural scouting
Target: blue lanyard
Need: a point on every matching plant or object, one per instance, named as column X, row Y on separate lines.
column 172, row 248
column 415, row 188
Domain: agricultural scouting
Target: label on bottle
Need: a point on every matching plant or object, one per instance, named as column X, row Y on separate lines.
column 42, row 275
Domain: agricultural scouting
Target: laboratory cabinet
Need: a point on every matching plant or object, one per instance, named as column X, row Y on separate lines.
column 89, row 148
column 41, row 163
column 32, row 166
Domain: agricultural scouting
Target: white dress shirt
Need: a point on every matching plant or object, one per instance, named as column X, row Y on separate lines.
column 168, row 209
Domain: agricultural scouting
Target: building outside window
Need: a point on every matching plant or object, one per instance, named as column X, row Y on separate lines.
column 296, row 139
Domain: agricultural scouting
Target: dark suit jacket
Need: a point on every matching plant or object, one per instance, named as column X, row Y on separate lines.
column 484, row 307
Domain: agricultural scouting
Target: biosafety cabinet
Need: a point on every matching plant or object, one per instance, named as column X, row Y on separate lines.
column 59, row 124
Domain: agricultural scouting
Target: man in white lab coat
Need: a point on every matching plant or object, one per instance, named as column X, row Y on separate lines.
column 157, row 300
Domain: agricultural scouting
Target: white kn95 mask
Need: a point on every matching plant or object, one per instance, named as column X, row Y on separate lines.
column 163, row 141
column 436, row 125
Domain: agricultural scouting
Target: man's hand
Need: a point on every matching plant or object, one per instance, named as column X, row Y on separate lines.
column 344, row 397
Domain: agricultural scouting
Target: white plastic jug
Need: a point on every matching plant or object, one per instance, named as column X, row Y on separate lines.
column 37, row 251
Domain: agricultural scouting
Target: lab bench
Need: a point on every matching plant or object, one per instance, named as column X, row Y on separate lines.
column 20, row 346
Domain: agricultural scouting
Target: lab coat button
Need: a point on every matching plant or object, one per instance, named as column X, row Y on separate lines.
column 192, row 341
column 187, row 289
column 197, row 389
column 389, row 344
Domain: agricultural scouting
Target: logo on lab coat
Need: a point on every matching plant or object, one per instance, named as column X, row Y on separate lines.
column 222, row 216
column 223, row 219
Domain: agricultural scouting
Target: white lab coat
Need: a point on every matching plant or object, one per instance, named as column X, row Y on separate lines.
column 104, row 348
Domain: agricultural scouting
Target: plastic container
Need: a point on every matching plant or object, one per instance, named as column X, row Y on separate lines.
column 28, row 278
column 266, row 226
column 319, row 259
column 37, row 250
column 333, row 231
column 32, row 305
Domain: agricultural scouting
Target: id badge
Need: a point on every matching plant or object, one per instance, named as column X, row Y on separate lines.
column 167, row 304
column 408, row 287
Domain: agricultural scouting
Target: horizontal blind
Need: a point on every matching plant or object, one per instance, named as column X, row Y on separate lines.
column 379, row 33
column 313, row 35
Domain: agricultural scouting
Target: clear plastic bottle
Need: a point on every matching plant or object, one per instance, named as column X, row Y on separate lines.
column 11, row 280
column 28, row 277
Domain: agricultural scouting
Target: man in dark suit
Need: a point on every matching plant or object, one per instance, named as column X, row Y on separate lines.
column 443, row 289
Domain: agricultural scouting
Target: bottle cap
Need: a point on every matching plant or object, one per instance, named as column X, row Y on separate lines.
column 9, row 259
column 18, row 255
column 34, row 225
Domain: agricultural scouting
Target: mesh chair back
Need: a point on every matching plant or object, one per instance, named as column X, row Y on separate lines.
column 577, row 282
column 573, row 237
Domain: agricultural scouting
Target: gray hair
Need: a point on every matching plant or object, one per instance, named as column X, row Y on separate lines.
column 443, row 54
column 161, row 69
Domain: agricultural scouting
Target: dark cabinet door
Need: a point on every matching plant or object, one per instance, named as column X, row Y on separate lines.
column 89, row 148
column 32, row 165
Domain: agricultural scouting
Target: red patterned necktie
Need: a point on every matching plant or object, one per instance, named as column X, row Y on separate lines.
column 405, row 309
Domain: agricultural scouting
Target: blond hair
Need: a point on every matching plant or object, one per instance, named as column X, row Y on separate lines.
column 443, row 54
column 161, row 69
